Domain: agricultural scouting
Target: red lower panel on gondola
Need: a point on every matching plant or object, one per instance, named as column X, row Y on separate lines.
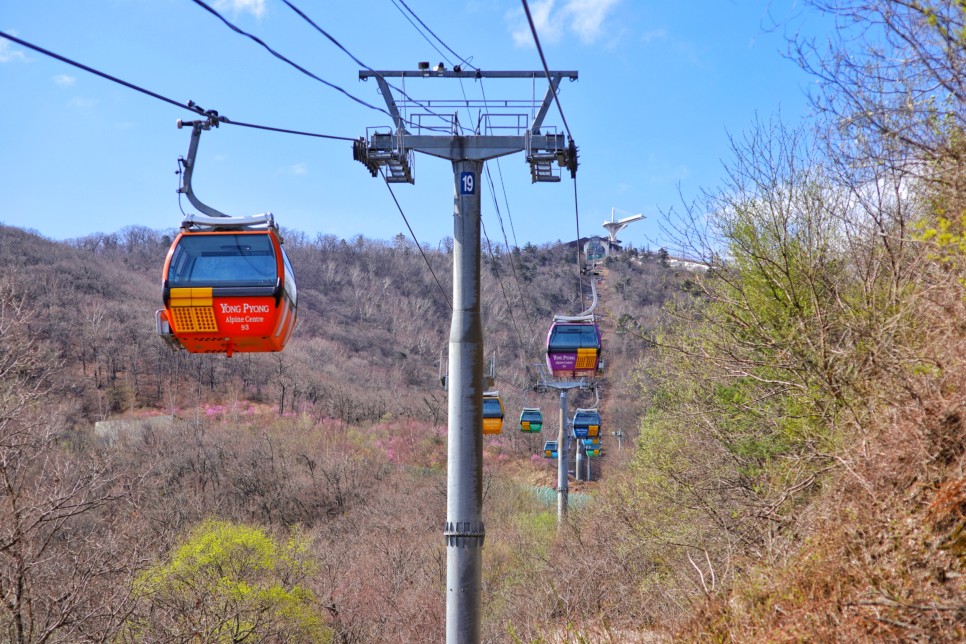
column 203, row 324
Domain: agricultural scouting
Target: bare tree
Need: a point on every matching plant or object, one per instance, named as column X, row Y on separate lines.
column 58, row 568
column 893, row 80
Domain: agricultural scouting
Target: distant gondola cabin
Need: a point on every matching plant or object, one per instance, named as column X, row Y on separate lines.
column 591, row 446
column 531, row 420
column 550, row 449
column 586, row 423
column 228, row 291
column 492, row 413
column 573, row 349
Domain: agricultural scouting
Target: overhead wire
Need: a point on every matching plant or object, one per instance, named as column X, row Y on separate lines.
column 510, row 308
column 409, row 15
column 418, row 245
column 440, row 40
column 74, row 63
column 506, row 243
column 524, row 300
column 322, row 31
column 525, row 347
column 506, row 201
column 419, row 30
column 190, row 105
column 425, row 37
column 335, row 42
column 415, row 16
column 543, row 60
column 506, row 298
column 286, row 60
column 285, row 130
column 580, row 281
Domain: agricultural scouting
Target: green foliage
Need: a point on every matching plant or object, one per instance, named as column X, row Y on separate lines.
column 539, row 527
column 761, row 429
column 756, row 384
column 945, row 231
column 232, row 583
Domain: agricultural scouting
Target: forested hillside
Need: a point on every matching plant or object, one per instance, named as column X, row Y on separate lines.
column 373, row 323
column 327, row 459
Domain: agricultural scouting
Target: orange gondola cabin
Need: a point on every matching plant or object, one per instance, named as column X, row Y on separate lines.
column 228, row 287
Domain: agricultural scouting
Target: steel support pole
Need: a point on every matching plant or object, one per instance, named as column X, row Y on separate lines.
column 464, row 532
column 563, row 453
column 580, row 467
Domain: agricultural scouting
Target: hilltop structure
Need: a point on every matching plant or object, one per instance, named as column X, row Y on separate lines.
column 614, row 227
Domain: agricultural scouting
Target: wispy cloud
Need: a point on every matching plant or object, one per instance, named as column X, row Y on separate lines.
column 654, row 35
column 587, row 17
column 691, row 53
column 299, row 168
column 10, row 55
column 684, row 50
column 254, row 7
column 63, row 80
column 668, row 174
column 553, row 21
column 540, row 12
column 81, row 103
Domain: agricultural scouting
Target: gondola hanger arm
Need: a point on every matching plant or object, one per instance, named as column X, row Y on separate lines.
column 188, row 163
column 586, row 316
column 211, row 119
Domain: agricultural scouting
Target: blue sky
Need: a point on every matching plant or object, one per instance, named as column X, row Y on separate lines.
column 662, row 84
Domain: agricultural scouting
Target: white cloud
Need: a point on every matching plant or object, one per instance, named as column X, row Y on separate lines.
column 587, row 17
column 299, row 168
column 540, row 12
column 254, row 7
column 582, row 18
column 10, row 55
column 63, row 80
